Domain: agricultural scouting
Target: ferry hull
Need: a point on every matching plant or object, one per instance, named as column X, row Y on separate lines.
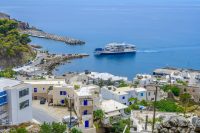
column 114, row 53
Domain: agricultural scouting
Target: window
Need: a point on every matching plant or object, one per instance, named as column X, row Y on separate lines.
column 123, row 97
column 24, row 104
column 35, row 89
column 43, row 89
column 85, row 112
column 63, row 93
column 85, row 102
column 141, row 94
column 149, row 93
column 62, row 101
column 23, row 92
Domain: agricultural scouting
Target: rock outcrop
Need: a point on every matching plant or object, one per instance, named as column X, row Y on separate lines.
column 179, row 124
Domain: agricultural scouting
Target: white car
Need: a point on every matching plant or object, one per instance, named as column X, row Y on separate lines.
column 66, row 119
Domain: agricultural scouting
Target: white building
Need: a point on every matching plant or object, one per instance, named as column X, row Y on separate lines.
column 123, row 94
column 113, row 110
column 143, row 79
column 16, row 97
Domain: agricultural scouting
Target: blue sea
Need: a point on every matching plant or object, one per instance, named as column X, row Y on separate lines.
column 166, row 32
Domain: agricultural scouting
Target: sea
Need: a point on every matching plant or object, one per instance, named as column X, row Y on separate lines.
column 165, row 32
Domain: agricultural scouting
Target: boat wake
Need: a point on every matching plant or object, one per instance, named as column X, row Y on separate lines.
column 148, row 51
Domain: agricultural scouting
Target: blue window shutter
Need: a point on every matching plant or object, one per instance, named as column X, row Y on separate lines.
column 85, row 112
column 64, row 92
column 60, row 92
column 35, row 89
column 86, row 124
column 85, row 102
column 62, row 101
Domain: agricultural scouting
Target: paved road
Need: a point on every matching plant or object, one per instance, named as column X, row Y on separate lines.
column 41, row 116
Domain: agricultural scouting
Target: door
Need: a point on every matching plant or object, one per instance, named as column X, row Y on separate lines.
column 86, row 124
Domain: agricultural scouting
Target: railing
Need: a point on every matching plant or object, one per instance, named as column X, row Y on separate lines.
column 86, row 117
column 3, row 93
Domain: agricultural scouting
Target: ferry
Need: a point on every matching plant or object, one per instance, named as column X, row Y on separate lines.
column 115, row 48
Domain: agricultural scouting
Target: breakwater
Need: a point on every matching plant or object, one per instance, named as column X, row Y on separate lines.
column 42, row 34
column 52, row 61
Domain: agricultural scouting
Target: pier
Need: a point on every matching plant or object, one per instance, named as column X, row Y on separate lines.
column 42, row 34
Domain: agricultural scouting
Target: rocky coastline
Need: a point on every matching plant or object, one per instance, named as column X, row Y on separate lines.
column 41, row 34
column 25, row 28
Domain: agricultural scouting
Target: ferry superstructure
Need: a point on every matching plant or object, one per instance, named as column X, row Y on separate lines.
column 115, row 48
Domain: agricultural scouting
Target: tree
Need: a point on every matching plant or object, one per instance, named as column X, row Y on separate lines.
column 185, row 98
column 122, row 83
column 58, row 127
column 76, row 87
column 25, row 39
column 98, row 114
column 18, row 130
column 66, row 102
column 171, row 88
column 14, row 48
column 75, row 130
column 45, row 128
column 133, row 99
column 119, row 126
column 7, row 73
column 52, row 128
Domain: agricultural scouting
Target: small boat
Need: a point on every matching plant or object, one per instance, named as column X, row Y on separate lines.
column 115, row 48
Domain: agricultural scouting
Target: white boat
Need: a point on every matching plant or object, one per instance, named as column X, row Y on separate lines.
column 115, row 48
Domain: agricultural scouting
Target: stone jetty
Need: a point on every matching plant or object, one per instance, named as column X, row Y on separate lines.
column 41, row 34
column 51, row 61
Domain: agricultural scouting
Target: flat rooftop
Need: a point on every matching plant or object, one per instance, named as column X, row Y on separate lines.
column 106, row 76
column 85, row 91
column 111, row 106
column 124, row 90
column 46, row 81
column 4, row 82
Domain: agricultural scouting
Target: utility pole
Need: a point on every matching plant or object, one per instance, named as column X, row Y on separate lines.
column 154, row 106
column 146, row 122
column 70, row 115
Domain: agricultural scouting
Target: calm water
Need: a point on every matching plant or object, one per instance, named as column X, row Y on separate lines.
column 166, row 33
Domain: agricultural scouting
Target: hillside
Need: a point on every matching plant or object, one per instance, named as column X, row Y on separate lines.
column 14, row 48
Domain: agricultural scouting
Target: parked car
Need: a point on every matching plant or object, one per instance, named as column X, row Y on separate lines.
column 42, row 101
column 66, row 119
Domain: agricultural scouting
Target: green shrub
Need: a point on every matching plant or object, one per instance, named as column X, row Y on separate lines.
column 168, row 106
column 174, row 89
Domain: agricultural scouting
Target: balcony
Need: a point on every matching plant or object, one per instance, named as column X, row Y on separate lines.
column 87, row 117
column 3, row 114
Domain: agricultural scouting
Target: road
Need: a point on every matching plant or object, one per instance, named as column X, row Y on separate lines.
column 41, row 116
